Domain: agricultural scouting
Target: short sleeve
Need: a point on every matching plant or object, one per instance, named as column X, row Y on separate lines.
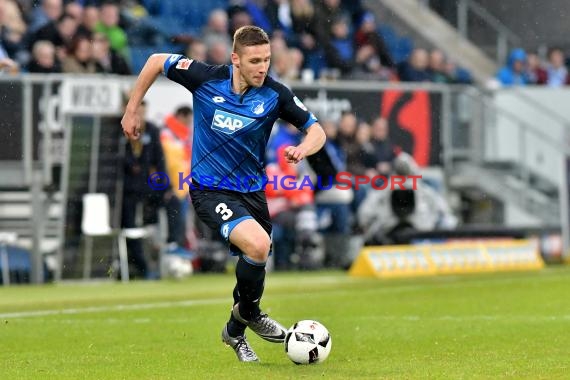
column 293, row 110
column 190, row 73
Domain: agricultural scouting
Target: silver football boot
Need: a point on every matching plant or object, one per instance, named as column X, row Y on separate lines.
column 240, row 346
column 262, row 325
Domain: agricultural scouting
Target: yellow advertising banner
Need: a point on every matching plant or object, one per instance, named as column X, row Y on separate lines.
column 446, row 258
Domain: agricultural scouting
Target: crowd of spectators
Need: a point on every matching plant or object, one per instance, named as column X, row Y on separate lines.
column 54, row 36
column 332, row 39
column 523, row 69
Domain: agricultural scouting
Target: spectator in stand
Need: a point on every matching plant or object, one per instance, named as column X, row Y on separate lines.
column 109, row 25
column 278, row 43
column 438, row 67
column 12, row 29
column 74, row 9
column 197, row 50
column 176, row 140
column 458, row 74
column 368, row 66
column 297, row 62
column 363, row 136
column 290, row 208
column 367, row 35
column 346, row 138
column 333, row 145
column 280, row 65
column 254, row 10
column 48, row 12
column 355, row 9
column 59, row 33
column 107, row 60
column 218, row 53
column 303, row 23
column 334, row 205
column 238, row 17
column 294, row 20
column 44, row 59
column 79, row 59
column 279, row 15
column 326, row 12
column 515, row 72
column 91, row 17
column 556, row 71
column 416, row 68
column 380, row 159
column 339, row 50
column 535, row 70
column 142, row 158
column 217, row 28
column 286, row 64
column 143, row 30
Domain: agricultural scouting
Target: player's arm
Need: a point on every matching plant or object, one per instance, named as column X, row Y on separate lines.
column 295, row 112
column 312, row 143
column 131, row 121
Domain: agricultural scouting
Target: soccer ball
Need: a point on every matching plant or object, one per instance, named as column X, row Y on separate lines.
column 308, row 342
column 177, row 267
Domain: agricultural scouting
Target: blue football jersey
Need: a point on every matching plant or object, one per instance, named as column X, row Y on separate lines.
column 231, row 130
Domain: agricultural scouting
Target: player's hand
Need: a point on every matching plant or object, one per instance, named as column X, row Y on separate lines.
column 294, row 154
column 131, row 124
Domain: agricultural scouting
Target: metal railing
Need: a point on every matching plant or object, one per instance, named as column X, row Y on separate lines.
column 505, row 38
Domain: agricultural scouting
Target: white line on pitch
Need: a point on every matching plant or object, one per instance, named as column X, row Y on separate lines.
column 122, row 307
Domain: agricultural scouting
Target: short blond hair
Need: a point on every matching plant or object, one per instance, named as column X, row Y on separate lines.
column 249, row 35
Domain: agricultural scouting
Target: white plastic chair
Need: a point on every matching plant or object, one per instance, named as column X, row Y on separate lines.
column 95, row 222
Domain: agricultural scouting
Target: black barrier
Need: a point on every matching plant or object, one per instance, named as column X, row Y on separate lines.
column 414, row 117
column 11, row 109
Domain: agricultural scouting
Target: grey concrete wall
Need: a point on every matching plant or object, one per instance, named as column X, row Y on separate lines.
column 537, row 22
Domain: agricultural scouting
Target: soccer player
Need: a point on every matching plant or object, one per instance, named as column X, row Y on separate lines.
column 235, row 107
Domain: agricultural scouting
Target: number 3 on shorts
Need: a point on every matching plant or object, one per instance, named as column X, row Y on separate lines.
column 223, row 209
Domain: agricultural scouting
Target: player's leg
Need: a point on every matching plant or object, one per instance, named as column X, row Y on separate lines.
column 252, row 239
column 222, row 212
column 254, row 243
column 135, row 250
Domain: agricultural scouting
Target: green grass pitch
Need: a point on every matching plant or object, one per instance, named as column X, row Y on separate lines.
column 485, row 326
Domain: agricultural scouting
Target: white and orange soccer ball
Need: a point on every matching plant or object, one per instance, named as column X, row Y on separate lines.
column 308, row 342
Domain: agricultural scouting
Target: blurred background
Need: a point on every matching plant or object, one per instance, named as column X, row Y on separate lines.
column 469, row 94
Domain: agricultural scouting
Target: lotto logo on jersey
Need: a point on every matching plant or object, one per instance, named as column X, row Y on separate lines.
column 228, row 122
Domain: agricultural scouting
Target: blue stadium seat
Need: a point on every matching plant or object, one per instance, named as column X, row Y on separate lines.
column 399, row 47
column 389, row 36
column 191, row 13
column 315, row 61
column 403, row 49
column 153, row 7
column 139, row 55
column 172, row 26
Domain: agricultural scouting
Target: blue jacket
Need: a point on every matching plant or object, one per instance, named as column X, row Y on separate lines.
column 508, row 76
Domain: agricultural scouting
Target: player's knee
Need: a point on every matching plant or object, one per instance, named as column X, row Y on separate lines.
column 259, row 250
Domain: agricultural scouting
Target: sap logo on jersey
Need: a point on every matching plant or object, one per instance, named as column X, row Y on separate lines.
column 228, row 122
